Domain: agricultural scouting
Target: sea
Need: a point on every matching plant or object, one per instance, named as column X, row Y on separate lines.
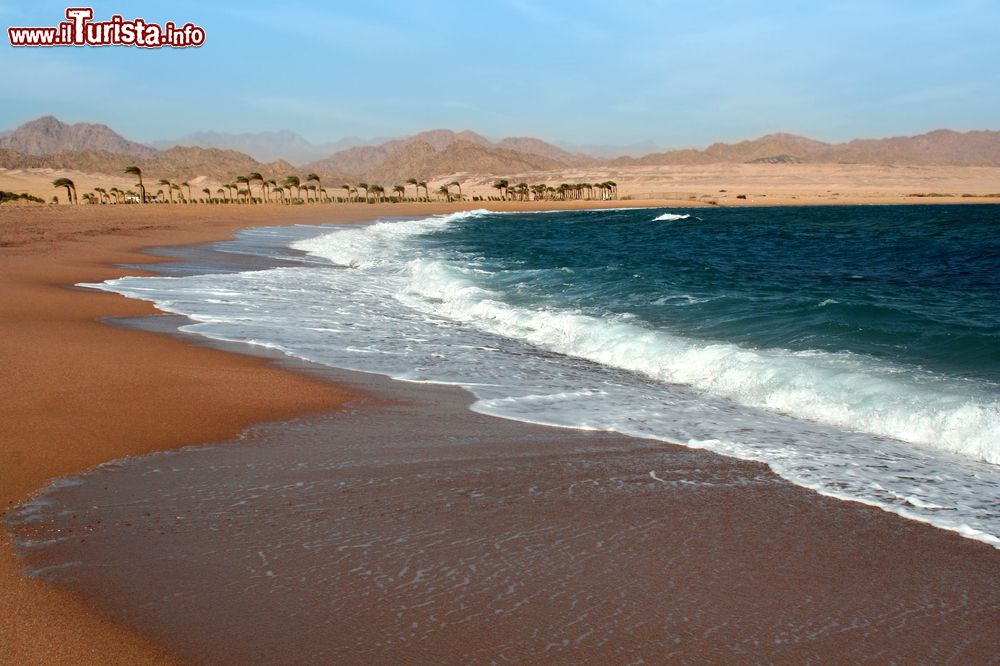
column 853, row 349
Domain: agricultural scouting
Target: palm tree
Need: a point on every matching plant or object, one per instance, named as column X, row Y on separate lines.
column 611, row 187
column 364, row 186
column 400, row 190
column 293, row 181
column 501, row 185
column 378, row 193
column 169, row 186
column 281, row 192
column 244, row 180
column 103, row 192
column 252, row 176
column 347, row 190
column 313, row 177
column 427, row 194
column 187, row 185
column 208, row 194
column 248, row 181
column 175, row 186
column 459, row 186
column 114, row 192
column 70, row 188
column 270, row 186
column 136, row 171
column 445, row 191
column 416, row 187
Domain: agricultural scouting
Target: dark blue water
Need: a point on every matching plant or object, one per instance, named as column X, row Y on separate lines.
column 915, row 285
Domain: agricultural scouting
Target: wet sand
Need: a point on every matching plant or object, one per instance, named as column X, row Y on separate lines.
column 403, row 527
column 78, row 392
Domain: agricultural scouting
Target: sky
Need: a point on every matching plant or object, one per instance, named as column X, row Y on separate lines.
column 679, row 73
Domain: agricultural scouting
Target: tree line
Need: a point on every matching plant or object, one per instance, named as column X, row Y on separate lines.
column 253, row 188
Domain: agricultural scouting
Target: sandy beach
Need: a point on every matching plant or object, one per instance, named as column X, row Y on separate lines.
column 80, row 392
column 83, row 392
column 686, row 185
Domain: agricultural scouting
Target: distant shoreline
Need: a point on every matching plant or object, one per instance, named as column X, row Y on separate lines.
column 719, row 184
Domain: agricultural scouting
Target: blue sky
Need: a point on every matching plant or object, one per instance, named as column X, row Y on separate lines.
column 678, row 73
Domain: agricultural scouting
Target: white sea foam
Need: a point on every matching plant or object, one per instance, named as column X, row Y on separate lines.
column 375, row 244
column 837, row 423
column 671, row 217
column 844, row 390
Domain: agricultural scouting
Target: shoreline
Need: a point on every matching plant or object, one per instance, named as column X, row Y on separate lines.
column 50, row 280
column 748, row 555
column 73, row 376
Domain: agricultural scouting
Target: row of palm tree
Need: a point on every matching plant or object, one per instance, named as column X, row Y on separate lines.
column 563, row 192
column 314, row 192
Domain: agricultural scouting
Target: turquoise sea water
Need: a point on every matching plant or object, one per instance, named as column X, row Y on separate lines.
column 854, row 349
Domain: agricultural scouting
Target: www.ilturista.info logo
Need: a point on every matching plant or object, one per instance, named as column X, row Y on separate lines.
column 81, row 30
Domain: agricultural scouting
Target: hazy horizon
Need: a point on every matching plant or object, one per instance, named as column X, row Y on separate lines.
column 674, row 74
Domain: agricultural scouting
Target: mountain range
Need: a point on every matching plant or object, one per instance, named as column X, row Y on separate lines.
column 610, row 151
column 48, row 135
column 48, row 142
column 264, row 146
column 977, row 148
column 440, row 152
column 294, row 148
column 179, row 163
